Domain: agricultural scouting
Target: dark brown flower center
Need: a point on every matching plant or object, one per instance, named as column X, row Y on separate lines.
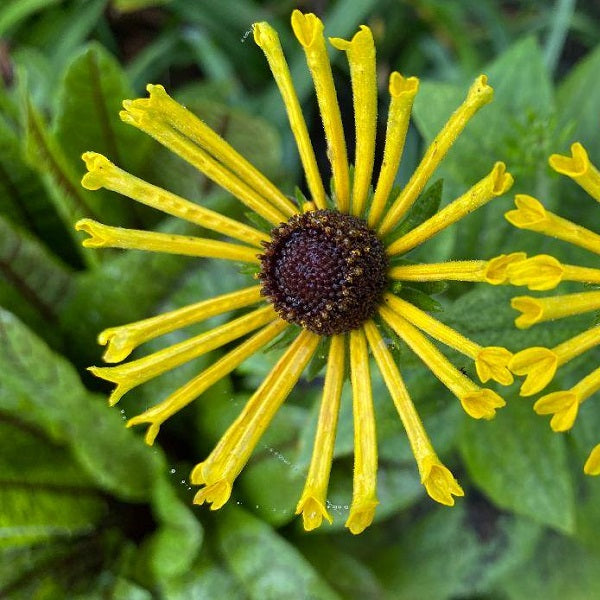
column 324, row 270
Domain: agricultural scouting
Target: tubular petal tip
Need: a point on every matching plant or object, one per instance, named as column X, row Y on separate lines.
column 592, row 464
column 398, row 85
column 313, row 512
column 306, row 27
column 575, row 165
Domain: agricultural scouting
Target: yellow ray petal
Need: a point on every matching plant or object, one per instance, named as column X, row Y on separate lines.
column 103, row 174
column 189, row 125
column 155, row 416
column 312, row 504
column 140, row 115
column 402, row 94
column 477, row 402
column 592, row 464
column 538, row 310
column 531, row 215
column 360, row 51
column 364, row 495
column 478, row 95
column 495, row 184
column 438, row 481
column 565, row 404
column 268, row 41
column 493, row 271
column 236, row 445
column 134, row 373
column 122, row 340
column 539, row 364
column 579, row 168
column 491, row 362
column 105, row 236
column 309, row 32
column 544, row 272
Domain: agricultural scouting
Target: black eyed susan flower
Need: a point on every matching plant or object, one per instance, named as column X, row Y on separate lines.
column 544, row 272
column 326, row 267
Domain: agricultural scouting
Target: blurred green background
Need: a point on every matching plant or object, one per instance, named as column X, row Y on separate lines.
column 86, row 509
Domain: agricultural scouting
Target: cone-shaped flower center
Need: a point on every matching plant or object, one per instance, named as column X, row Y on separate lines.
column 325, row 271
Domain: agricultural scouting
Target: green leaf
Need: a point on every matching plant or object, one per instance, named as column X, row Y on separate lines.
column 521, row 464
column 517, row 128
column 453, row 552
column 23, row 200
column 43, row 392
column 171, row 549
column 33, row 284
column 558, row 569
column 266, row 565
column 206, row 578
column 133, row 5
column 350, row 577
column 577, row 102
column 87, row 118
column 70, row 200
column 43, row 494
column 43, row 389
column 425, row 207
column 15, row 11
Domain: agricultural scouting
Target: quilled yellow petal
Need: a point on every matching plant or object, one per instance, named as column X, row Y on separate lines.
column 531, row 215
column 234, row 448
column 312, row 504
column 402, row 94
column 309, row 32
column 361, row 58
column 495, row 184
column 268, row 41
column 156, row 415
column 479, row 94
column 364, row 497
column 103, row 174
column 538, row 310
column 106, row 236
column 579, row 168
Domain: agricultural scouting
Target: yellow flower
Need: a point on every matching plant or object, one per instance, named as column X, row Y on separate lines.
column 544, row 272
column 325, row 266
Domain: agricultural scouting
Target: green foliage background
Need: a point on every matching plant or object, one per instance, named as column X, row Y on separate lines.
column 86, row 509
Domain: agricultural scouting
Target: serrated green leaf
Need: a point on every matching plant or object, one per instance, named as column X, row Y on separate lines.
column 517, row 128
column 43, row 494
column 206, row 578
column 521, row 464
column 425, row 561
column 70, row 200
column 266, row 565
column 43, row 389
column 350, row 577
column 577, row 100
column 558, row 569
column 425, row 207
column 171, row 549
column 89, row 100
column 33, row 284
